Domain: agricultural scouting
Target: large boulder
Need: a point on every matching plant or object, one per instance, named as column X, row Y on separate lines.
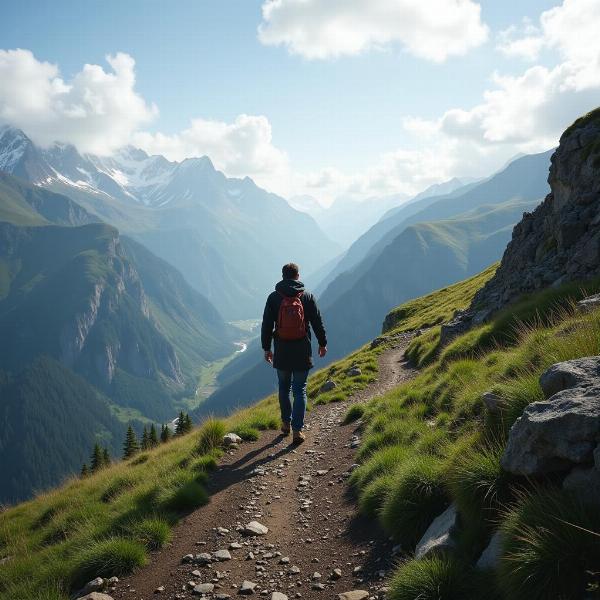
column 563, row 430
column 438, row 536
column 585, row 483
column 581, row 372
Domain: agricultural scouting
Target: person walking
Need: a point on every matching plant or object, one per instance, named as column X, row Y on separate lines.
column 289, row 314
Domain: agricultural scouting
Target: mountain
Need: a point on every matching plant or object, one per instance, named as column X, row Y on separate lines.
column 425, row 244
column 346, row 219
column 106, row 322
column 524, row 179
column 424, row 257
column 228, row 237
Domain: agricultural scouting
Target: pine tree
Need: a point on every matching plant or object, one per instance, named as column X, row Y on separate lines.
column 188, row 423
column 130, row 447
column 152, row 436
column 84, row 470
column 145, row 439
column 165, row 434
column 179, row 428
column 96, row 462
column 106, row 458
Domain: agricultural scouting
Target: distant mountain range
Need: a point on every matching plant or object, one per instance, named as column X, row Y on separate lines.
column 228, row 237
column 425, row 244
column 90, row 322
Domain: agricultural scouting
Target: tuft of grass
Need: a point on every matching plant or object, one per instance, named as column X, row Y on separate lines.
column 354, row 413
column 204, row 463
column 210, row 435
column 436, row 578
column 373, row 495
column 551, row 544
column 247, row 433
column 115, row 556
column 383, row 462
column 479, row 485
column 154, row 533
column 184, row 495
column 416, row 497
column 117, row 487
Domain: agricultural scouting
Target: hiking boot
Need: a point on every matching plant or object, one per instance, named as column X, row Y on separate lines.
column 285, row 428
column 299, row 437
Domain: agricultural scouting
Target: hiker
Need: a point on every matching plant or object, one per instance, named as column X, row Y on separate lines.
column 288, row 312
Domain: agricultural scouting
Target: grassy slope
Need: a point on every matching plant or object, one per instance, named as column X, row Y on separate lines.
column 430, row 442
column 426, row 443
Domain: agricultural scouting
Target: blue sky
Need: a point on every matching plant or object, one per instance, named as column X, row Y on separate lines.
column 331, row 117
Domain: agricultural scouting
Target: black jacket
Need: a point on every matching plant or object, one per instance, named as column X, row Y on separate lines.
column 291, row 355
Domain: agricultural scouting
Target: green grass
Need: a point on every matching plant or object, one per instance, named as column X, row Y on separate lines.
column 108, row 557
column 551, row 545
column 417, row 495
column 430, row 441
column 437, row 307
column 438, row 578
column 354, row 413
column 134, row 504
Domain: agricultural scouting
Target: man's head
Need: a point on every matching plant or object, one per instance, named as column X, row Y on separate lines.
column 290, row 271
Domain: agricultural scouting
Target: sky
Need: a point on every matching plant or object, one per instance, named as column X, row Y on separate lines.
column 330, row 98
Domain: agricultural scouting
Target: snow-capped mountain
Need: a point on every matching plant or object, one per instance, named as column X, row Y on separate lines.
column 227, row 236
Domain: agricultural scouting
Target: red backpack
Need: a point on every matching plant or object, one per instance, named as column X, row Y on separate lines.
column 290, row 322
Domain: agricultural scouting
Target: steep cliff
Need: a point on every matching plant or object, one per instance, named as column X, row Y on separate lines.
column 560, row 240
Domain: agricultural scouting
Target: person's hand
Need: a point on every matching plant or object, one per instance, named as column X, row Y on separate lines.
column 269, row 356
column 322, row 351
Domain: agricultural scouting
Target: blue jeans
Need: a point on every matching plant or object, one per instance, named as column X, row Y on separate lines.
column 294, row 381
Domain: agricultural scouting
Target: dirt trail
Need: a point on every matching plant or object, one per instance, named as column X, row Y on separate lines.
column 300, row 493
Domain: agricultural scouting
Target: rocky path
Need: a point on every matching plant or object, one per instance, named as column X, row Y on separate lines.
column 316, row 546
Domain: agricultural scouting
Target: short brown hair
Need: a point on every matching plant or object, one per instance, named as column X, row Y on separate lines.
column 290, row 271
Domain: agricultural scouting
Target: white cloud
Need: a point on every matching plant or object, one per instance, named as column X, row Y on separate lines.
column 521, row 42
column 97, row 110
column 321, row 29
column 528, row 112
column 241, row 148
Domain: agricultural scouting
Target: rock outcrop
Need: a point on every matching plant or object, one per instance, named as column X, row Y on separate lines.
column 562, row 431
column 560, row 240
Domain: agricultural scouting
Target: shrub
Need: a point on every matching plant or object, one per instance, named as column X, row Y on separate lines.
column 154, row 533
column 211, row 435
column 417, row 496
column 551, row 544
column 434, row 578
column 354, row 413
column 114, row 556
column 478, row 484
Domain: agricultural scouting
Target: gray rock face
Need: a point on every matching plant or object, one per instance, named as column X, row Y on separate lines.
column 491, row 401
column 328, row 386
column 560, row 240
column 353, row 372
column 491, row 555
column 581, row 372
column 278, row 596
column 221, row 555
column 438, row 536
column 564, row 430
column 96, row 596
column 585, row 483
column 589, row 304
